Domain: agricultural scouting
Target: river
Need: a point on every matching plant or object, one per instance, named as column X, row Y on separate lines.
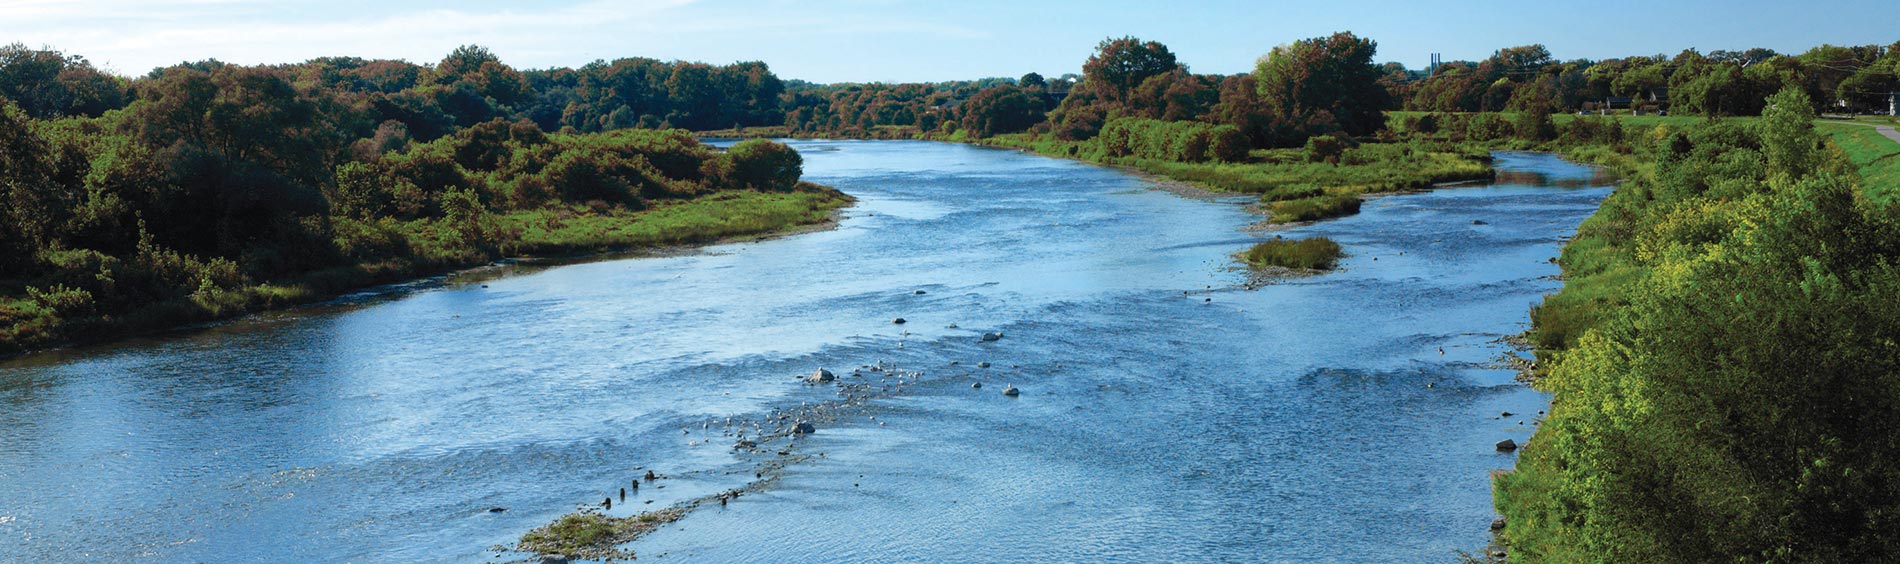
column 1166, row 413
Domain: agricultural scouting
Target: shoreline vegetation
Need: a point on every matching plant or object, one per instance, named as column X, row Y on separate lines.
column 1721, row 356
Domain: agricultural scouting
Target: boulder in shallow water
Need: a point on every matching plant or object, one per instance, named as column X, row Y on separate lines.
column 821, row 376
column 899, row 321
column 1507, row 445
column 997, row 336
column 977, row 385
column 744, row 444
column 803, row 428
column 1012, row 391
column 1497, row 524
column 983, row 365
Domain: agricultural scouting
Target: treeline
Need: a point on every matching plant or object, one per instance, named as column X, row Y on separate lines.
column 206, row 188
column 1330, row 86
column 1720, row 83
column 1729, row 388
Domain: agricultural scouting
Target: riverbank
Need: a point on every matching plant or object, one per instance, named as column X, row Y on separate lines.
column 558, row 234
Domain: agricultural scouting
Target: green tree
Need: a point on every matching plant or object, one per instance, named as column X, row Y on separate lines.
column 1002, row 109
column 1334, row 75
column 1120, row 64
column 1787, row 134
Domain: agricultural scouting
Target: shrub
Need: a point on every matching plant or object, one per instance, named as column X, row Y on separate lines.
column 765, row 165
column 1326, row 148
column 1176, row 141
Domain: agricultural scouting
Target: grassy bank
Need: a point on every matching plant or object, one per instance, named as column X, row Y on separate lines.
column 1720, row 358
column 419, row 248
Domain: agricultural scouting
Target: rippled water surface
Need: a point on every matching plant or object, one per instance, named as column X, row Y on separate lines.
column 1166, row 413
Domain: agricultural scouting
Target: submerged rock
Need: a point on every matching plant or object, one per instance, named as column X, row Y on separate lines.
column 744, row 444
column 1012, row 391
column 821, row 376
column 803, row 428
column 919, row 292
column 899, row 321
column 997, row 336
column 1507, row 445
column 983, row 365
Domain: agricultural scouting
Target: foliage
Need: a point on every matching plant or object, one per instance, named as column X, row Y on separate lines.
column 1002, row 109
column 1726, row 387
column 1323, row 83
column 1121, row 64
column 1178, row 141
column 765, row 165
column 225, row 188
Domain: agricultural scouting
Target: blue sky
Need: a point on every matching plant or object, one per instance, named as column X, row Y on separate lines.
column 904, row 40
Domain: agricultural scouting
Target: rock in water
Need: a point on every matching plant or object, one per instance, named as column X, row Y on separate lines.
column 919, row 292
column 744, row 444
column 803, row 428
column 977, row 385
column 1012, row 391
column 899, row 321
column 821, row 376
column 1507, row 445
column 983, row 365
column 1497, row 524
column 997, row 336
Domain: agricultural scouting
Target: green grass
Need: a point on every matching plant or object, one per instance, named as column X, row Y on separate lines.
column 1317, row 253
column 1313, row 209
column 709, row 218
column 1877, row 157
column 572, row 534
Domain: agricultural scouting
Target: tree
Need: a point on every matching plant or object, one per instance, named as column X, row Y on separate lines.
column 1326, row 74
column 1002, row 109
column 1031, row 80
column 48, row 84
column 1119, row 65
column 1787, row 134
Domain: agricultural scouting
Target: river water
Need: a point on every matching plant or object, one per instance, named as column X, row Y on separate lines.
column 1166, row 413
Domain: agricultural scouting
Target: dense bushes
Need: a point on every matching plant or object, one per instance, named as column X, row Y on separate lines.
column 1737, row 397
column 1178, row 141
column 227, row 188
column 765, row 165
